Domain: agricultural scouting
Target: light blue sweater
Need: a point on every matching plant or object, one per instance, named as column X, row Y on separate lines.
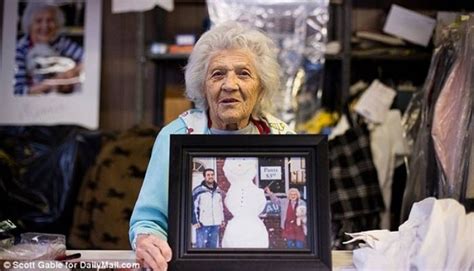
column 150, row 215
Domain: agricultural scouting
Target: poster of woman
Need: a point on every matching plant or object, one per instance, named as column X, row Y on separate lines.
column 51, row 56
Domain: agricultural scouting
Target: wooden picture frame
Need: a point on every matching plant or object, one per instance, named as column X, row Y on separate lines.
column 238, row 152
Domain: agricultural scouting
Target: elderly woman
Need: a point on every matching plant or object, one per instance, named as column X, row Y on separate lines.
column 231, row 76
column 292, row 231
column 42, row 24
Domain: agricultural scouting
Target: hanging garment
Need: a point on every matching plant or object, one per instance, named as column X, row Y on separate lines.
column 422, row 168
column 451, row 116
column 388, row 147
column 341, row 127
column 355, row 196
column 451, row 120
column 439, row 164
column 468, row 198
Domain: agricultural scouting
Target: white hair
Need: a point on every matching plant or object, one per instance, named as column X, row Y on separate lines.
column 294, row 190
column 233, row 35
column 35, row 6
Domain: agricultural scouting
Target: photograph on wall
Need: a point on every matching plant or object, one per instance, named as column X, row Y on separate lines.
column 50, row 62
column 248, row 202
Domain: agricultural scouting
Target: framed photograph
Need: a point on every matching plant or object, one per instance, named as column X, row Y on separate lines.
column 234, row 203
column 50, row 62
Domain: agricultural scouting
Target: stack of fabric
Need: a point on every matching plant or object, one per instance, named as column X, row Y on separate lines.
column 437, row 236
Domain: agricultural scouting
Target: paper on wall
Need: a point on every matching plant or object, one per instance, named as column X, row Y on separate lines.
column 78, row 107
column 375, row 103
column 120, row 6
column 409, row 25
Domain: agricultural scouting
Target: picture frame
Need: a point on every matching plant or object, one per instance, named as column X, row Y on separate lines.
column 52, row 79
column 241, row 166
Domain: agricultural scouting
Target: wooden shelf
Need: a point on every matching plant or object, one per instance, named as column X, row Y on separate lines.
column 168, row 56
column 418, row 56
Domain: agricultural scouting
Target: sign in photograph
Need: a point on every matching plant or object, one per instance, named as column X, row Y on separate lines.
column 270, row 173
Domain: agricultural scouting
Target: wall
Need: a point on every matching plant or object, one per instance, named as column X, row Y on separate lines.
column 118, row 96
column 118, row 74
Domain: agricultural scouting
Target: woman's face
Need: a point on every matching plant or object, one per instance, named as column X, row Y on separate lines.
column 43, row 28
column 293, row 195
column 232, row 89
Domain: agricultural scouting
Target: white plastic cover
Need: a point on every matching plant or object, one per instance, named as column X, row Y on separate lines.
column 35, row 246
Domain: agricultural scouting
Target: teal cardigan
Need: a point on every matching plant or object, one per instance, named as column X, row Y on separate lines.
column 150, row 215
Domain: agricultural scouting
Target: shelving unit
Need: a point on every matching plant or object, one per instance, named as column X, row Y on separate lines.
column 341, row 69
column 337, row 67
column 399, row 64
column 163, row 62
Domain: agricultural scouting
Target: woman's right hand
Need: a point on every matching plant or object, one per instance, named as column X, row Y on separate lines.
column 152, row 252
column 40, row 89
column 267, row 190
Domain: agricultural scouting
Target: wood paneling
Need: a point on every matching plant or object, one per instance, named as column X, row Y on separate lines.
column 117, row 99
column 119, row 41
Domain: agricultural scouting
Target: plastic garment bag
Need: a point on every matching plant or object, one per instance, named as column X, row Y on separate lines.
column 437, row 122
column 35, row 246
column 469, row 184
column 299, row 29
column 452, row 117
column 46, row 165
column 417, row 122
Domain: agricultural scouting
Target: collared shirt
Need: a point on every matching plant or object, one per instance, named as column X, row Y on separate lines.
column 248, row 130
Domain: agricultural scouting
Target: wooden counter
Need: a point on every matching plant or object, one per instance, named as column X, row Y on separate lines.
column 341, row 260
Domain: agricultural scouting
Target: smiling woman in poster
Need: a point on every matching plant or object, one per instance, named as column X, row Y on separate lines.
column 45, row 59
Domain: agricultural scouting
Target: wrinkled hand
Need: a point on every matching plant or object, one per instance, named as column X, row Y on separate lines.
column 40, row 89
column 152, row 252
column 68, row 74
